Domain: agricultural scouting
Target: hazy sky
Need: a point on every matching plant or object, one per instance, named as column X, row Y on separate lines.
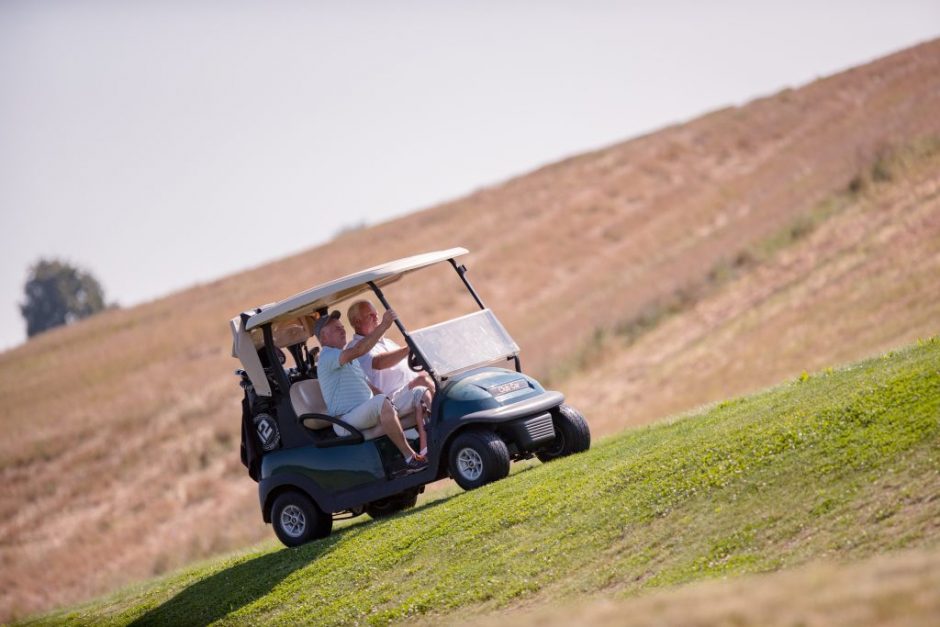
column 160, row 144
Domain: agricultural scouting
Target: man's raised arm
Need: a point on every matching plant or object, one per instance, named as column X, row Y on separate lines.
column 364, row 346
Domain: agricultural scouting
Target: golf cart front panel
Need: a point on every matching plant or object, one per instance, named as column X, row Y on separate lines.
column 509, row 402
column 486, row 389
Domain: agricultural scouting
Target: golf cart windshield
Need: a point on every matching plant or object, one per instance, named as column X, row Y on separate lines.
column 454, row 346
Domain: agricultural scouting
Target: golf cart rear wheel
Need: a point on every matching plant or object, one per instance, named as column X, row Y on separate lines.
column 572, row 434
column 476, row 458
column 393, row 504
column 297, row 519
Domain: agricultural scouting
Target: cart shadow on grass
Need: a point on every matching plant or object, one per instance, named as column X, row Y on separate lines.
column 222, row 593
column 218, row 595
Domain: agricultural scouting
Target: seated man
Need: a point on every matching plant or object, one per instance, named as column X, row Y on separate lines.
column 385, row 367
column 346, row 390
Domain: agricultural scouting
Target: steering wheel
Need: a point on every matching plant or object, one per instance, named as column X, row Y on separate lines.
column 413, row 362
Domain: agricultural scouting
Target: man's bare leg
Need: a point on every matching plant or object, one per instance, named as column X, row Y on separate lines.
column 423, row 379
column 422, row 434
column 388, row 417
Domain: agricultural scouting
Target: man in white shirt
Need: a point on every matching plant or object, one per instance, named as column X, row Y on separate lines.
column 386, row 368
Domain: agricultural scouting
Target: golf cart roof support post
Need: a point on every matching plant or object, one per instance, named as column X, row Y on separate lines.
column 243, row 347
column 462, row 271
column 404, row 332
column 274, row 360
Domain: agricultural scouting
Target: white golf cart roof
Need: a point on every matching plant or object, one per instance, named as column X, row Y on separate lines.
column 348, row 286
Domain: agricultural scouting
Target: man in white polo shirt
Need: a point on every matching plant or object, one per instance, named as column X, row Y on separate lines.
column 346, row 390
column 386, row 367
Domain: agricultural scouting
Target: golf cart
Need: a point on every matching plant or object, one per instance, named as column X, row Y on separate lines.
column 482, row 416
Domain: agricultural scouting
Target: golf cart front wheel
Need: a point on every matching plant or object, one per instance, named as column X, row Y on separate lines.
column 476, row 458
column 297, row 519
column 572, row 434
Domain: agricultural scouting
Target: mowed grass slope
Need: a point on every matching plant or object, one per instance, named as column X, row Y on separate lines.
column 840, row 464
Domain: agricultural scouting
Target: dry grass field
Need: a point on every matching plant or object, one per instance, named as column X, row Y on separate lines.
column 676, row 269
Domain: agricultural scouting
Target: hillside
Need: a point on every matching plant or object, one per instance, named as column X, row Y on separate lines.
column 840, row 465
column 705, row 260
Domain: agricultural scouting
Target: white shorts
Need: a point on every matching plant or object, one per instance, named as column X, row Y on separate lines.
column 366, row 415
column 362, row 416
column 406, row 400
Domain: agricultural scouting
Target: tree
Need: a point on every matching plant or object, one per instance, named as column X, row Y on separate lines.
column 58, row 293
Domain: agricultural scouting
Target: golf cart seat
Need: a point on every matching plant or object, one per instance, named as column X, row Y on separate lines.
column 307, row 400
column 308, row 403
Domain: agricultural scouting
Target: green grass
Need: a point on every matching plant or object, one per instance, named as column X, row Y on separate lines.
column 844, row 464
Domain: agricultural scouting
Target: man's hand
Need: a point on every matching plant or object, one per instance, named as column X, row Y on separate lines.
column 389, row 318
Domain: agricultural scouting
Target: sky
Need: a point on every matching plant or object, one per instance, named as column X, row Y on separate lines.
column 163, row 144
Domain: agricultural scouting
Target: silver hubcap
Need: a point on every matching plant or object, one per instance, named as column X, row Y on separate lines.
column 293, row 521
column 470, row 464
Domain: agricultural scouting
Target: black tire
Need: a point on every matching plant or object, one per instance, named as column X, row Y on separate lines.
column 572, row 434
column 392, row 504
column 297, row 519
column 476, row 458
